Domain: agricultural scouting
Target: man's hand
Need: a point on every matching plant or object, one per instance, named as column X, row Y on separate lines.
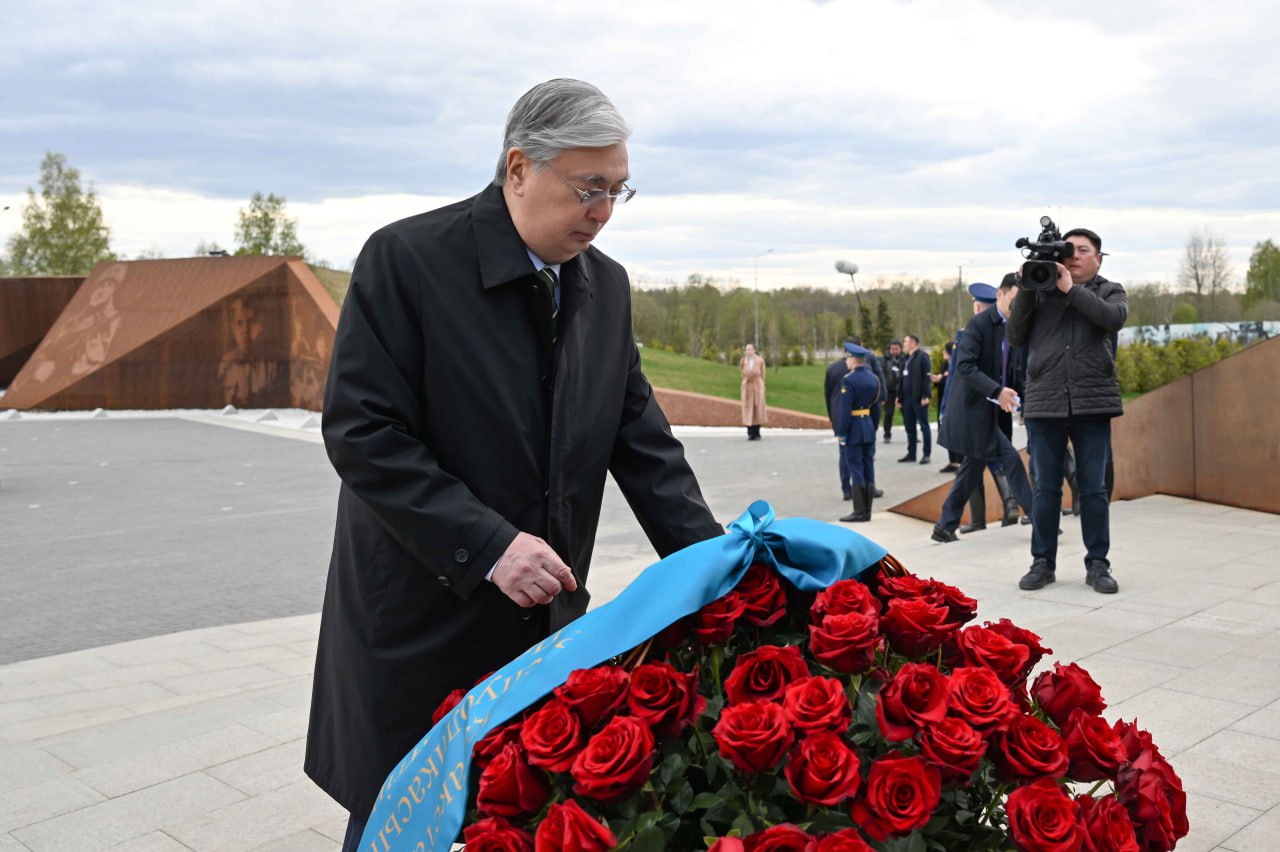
column 530, row 572
column 899, row 403
column 1008, row 400
column 925, row 402
column 1064, row 279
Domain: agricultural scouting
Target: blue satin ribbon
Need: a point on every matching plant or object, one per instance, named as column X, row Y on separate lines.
column 423, row 801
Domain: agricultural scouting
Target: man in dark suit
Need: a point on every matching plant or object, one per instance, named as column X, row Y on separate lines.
column 982, row 394
column 484, row 381
column 914, row 394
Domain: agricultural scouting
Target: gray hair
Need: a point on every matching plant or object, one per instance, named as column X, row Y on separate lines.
column 557, row 115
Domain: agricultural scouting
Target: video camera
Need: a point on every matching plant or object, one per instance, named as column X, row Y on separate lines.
column 1043, row 255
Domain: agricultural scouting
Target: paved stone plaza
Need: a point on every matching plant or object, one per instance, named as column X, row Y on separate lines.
column 162, row 577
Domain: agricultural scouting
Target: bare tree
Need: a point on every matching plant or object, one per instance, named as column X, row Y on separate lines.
column 1205, row 266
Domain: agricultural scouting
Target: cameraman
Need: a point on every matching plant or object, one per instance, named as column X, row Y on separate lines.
column 1071, row 392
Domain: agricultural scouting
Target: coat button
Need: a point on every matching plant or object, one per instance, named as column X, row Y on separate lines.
column 444, row 581
column 461, row 555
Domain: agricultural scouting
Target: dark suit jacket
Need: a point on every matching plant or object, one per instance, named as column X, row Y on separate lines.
column 454, row 422
column 916, row 384
column 972, row 423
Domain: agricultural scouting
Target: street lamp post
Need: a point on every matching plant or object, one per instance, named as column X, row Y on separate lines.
column 755, row 272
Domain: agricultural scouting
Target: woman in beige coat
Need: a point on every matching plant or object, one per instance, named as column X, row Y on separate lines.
column 753, row 410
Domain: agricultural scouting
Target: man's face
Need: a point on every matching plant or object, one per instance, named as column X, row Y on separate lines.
column 549, row 216
column 895, row 349
column 1004, row 300
column 910, row 345
column 979, row 307
column 1084, row 262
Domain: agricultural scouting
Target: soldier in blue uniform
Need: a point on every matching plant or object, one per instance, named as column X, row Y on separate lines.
column 856, row 430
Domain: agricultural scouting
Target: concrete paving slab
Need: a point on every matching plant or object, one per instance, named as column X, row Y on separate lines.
column 193, row 726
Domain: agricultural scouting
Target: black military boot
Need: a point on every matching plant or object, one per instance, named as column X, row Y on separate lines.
column 977, row 511
column 1010, row 502
column 860, row 512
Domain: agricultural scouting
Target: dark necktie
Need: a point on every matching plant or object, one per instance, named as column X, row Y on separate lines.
column 548, row 276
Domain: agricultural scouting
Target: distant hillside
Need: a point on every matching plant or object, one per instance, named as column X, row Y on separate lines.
column 335, row 281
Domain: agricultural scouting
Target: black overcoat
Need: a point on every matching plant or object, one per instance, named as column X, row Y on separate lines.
column 971, row 424
column 453, row 422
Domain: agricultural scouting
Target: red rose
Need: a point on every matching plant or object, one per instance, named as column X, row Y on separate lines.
column 666, row 699
column 1152, row 793
column 509, row 787
column 765, row 673
column 843, row 841
column 915, row 698
column 823, row 770
column 1028, row 749
column 1064, row 689
column 843, row 597
column 568, row 828
column 713, row 624
column 727, row 844
column 980, row 646
column 493, row 743
column 845, row 643
column 962, row 607
column 495, row 834
column 954, row 747
column 779, row 838
column 594, row 693
column 762, row 592
column 1093, row 748
column 905, row 587
column 1134, row 740
column 898, row 797
column 1014, row 633
column 817, row 704
column 753, row 736
column 552, row 736
column 452, row 700
column 616, row 761
column 1106, row 825
column 1043, row 819
column 977, row 696
column 916, row 627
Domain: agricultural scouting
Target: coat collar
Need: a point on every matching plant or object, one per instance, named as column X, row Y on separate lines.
column 502, row 253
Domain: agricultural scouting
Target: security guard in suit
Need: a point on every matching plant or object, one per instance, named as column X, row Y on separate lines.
column 856, row 430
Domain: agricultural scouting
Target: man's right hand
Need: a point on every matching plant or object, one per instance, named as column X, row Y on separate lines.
column 1007, row 400
column 530, row 572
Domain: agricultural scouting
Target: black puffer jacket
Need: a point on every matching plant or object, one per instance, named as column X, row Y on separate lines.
column 1071, row 368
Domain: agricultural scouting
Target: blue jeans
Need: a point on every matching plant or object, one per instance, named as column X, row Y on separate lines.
column 1047, row 444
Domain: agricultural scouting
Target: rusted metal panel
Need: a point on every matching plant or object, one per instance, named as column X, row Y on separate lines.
column 198, row 332
column 1153, row 445
column 28, row 309
column 685, row 408
column 1237, row 429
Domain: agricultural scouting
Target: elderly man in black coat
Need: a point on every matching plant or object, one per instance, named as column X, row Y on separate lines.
column 484, row 381
column 982, row 371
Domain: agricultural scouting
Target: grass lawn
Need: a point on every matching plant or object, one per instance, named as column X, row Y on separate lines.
column 797, row 388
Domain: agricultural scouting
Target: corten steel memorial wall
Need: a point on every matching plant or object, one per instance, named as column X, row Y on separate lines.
column 28, row 309
column 685, row 408
column 1213, row 436
column 253, row 332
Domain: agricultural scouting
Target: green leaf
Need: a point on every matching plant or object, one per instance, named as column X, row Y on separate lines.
column 650, row 839
column 702, row 801
column 743, row 824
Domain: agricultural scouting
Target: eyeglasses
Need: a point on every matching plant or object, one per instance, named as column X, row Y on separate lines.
column 591, row 196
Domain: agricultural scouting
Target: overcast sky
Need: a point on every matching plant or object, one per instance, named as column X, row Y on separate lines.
column 911, row 138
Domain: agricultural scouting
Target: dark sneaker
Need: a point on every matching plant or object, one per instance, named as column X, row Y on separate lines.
column 949, row 467
column 942, row 535
column 1025, row 520
column 1040, row 575
column 965, row 529
column 924, row 460
column 886, row 437
column 1098, row 575
column 907, row 458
